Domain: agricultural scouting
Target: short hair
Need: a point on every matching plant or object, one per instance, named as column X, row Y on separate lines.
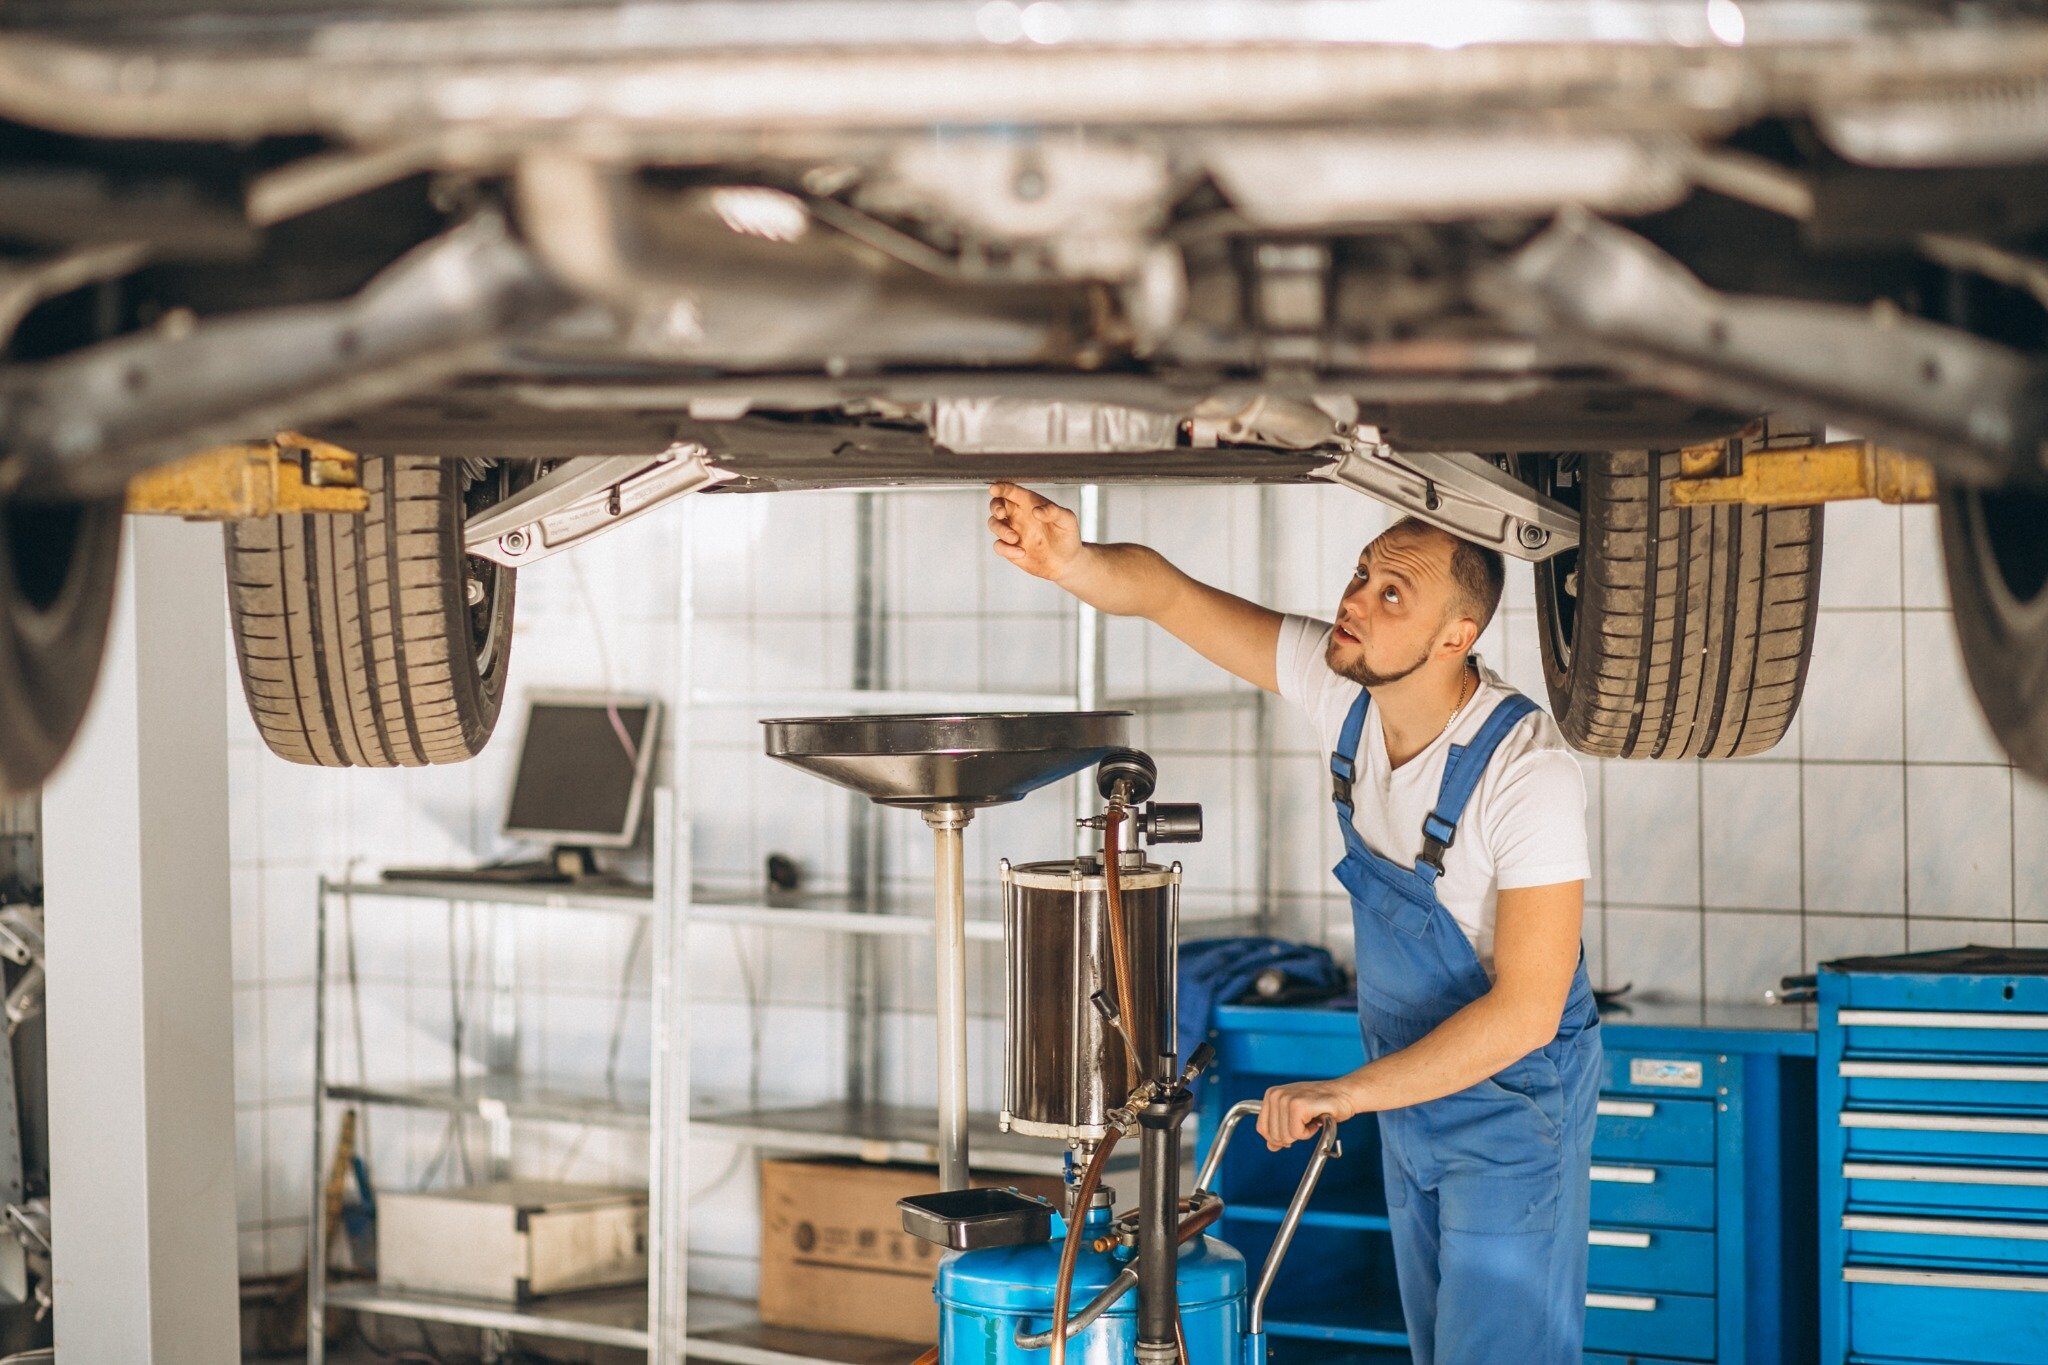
column 1478, row 571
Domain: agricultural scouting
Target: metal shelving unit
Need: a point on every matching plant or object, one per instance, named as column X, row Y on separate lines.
column 855, row 1125
column 500, row 1096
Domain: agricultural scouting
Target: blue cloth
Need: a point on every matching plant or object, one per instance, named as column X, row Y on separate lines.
column 1215, row 971
column 1488, row 1188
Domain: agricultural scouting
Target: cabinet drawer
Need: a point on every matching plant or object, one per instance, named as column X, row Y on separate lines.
column 1650, row 1258
column 1637, row 1128
column 1652, row 1195
column 1669, row 1075
column 1970, row 1139
column 1945, row 1190
column 1917, row 1084
column 1975, row 1319
column 1975, row 1243
column 1945, row 1034
column 1677, row 1326
column 1289, row 1055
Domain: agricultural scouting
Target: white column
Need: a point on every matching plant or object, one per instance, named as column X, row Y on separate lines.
column 141, row 1024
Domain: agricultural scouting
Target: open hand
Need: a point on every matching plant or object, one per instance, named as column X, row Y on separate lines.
column 1036, row 534
column 1290, row 1113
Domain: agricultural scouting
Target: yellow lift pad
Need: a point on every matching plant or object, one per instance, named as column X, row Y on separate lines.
column 288, row 473
column 1800, row 475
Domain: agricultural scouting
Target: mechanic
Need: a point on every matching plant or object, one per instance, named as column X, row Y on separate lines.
column 1464, row 825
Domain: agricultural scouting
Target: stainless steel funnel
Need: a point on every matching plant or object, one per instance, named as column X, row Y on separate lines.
column 948, row 766
column 932, row 760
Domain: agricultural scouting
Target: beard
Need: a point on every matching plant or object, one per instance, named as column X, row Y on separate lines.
column 1364, row 675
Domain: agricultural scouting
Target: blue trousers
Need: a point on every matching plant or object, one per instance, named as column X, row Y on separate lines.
column 1487, row 1196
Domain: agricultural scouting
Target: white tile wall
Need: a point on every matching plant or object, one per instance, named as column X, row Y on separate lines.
column 1886, row 819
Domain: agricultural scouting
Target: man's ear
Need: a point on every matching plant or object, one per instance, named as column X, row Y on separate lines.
column 1460, row 635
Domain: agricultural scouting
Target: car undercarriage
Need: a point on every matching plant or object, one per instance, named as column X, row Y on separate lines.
column 1528, row 270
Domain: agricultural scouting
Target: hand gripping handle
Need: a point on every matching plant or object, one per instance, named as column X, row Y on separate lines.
column 1326, row 1147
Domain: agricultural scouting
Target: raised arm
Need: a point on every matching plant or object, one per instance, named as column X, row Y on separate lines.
column 1043, row 538
column 1536, row 950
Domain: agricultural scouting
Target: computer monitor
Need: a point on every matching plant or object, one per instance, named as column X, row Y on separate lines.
column 583, row 766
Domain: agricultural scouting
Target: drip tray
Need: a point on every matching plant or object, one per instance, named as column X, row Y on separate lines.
column 968, row 1220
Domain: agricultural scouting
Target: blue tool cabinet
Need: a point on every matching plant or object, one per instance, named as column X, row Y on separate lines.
column 1703, row 1246
column 1934, row 1158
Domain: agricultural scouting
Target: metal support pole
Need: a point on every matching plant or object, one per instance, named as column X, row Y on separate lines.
column 949, row 899
column 316, row 1241
column 1158, row 1252
column 866, row 868
column 1090, row 670
column 141, row 1031
column 668, row 1154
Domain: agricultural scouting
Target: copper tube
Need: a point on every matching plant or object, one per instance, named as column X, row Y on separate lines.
column 1063, row 1286
column 1193, row 1220
column 1119, row 943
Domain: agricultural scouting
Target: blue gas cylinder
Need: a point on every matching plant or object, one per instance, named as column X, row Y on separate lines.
column 984, row 1296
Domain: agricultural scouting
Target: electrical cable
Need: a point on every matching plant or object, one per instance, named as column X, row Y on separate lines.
column 604, row 658
column 616, row 1047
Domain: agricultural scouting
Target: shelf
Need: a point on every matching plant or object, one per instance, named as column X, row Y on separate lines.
column 877, row 1133
column 717, row 1329
column 1167, row 703
column 898, row 918
column 731, row 1331
column 1355, row 1321
column 614, row 897
column 605, row 1317
column 1310, row 1218
column 503, row 1097
column 833, row 914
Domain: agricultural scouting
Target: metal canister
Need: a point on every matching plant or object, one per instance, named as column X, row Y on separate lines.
column 1065, row 1065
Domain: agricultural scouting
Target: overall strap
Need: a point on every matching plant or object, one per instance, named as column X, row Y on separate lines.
column 1462, row 771
column 1344, row 762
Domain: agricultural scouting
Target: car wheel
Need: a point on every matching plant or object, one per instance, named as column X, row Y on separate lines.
column 374, row 641
column 1672, row 632
column 58, row 565
column 1995, row 543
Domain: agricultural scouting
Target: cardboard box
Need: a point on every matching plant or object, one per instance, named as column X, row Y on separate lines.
column 511, row 1240
column 835, row 1257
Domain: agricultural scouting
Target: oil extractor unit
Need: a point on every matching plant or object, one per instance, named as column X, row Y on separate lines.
column 1090, row 955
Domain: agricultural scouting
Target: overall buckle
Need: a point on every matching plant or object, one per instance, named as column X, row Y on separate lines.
column 1437, row 837
column 1341, row 771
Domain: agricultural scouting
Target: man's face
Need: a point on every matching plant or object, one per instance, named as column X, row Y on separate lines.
column 1396, row 607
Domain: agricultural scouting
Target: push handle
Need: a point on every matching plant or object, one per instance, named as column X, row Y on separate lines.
column 1326, row 1147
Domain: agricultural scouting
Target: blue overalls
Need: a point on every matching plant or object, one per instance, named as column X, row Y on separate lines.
column 1487, row 1188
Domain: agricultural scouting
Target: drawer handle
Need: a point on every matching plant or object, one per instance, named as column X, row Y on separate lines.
column 1944, row 1279
column 1936, row 1019
column 1627, row 1303
column 1626, row 1109
column 1608, row 1237
column 1625, row 1175
column 1940, row 1123
column 1942, row 1175
column 1942, row 1071
column 1945, row 1227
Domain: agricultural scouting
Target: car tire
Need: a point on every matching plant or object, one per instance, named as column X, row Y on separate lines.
column 358, row 640
column 1672, row 632
column 59, row 565
column 1995, row 546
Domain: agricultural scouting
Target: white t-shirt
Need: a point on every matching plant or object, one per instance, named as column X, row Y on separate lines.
column 1525, row 825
